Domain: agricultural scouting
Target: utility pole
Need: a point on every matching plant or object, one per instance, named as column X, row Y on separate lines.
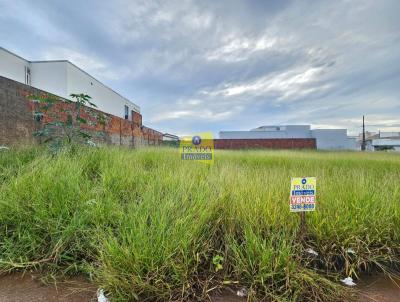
column 363, row 144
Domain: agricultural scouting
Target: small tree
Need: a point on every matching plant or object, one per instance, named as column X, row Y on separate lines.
column 63, row 125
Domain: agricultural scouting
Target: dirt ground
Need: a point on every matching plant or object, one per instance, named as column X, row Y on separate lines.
column 378, row 288
column 20, row 287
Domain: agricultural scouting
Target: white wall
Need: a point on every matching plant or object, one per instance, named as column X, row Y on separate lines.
column 389, row 134
column 50, row 76
column 12, row 66
column 298, row 131
column 295, row 131
column 333, row 139
column 386, row 142
column 265, row 132
column 251, row 134
column 352, row 143
column 105, row 99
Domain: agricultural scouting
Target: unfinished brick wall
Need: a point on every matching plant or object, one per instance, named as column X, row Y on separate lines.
column 282, row 143
column 16, row 120
column 17, row 123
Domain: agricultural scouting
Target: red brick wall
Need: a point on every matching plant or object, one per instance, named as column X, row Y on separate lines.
column 281, row 143
column 17, row 119
column 136, row 118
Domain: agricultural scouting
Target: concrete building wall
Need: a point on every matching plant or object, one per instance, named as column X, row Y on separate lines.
column 286, row 131
column 352, row 143
column 12, row 66
column 282, row 143
column 333, row 139
column 251, row 134
column 269, row 132
column 395, row 142
column 389, row 134
column 105, row 98
column 298, row 131
column 51, row 77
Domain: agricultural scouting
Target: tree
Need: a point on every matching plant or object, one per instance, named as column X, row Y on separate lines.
column 61, row 120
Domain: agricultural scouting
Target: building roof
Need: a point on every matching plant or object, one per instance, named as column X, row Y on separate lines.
column 278, row 127
column 171, row 136
column 15, row 55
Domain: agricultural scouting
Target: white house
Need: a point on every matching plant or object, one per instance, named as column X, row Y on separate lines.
column 376, row 141
column 386, row 141
column 167, row 137
column 326, row 139
column 63, row 78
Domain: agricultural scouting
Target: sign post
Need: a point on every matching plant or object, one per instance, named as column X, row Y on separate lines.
column 303, row 192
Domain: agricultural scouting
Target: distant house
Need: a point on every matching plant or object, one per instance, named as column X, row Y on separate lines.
column 170, row 140
column 170, row 137
column 63, row 78
column 325, row 139
column 386, row 141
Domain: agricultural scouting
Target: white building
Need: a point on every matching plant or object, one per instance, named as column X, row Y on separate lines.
column 326, row 139
column 167, row 137
column 63, row 78
column 377, row 141
column 386, row 144
column 385, row 141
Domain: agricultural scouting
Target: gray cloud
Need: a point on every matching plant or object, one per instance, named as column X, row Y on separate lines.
column 207, row 65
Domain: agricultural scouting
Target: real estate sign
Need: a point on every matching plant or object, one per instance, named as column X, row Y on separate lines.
column 302, row 194
column 199, row 147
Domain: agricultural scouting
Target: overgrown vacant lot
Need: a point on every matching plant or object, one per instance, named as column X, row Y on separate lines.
column 146, row 226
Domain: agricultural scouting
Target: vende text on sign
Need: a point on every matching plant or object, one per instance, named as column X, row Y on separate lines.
column 302, row 194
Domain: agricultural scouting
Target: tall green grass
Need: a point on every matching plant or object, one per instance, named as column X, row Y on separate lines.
column 147, row 226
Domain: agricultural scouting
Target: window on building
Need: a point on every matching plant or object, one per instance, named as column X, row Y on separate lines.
column 27, row 76
column 126, row 112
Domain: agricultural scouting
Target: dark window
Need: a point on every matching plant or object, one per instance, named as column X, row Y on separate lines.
column 126, row 112
column 27, row 75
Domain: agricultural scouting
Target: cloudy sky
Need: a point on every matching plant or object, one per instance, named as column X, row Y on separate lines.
column 214, row 65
